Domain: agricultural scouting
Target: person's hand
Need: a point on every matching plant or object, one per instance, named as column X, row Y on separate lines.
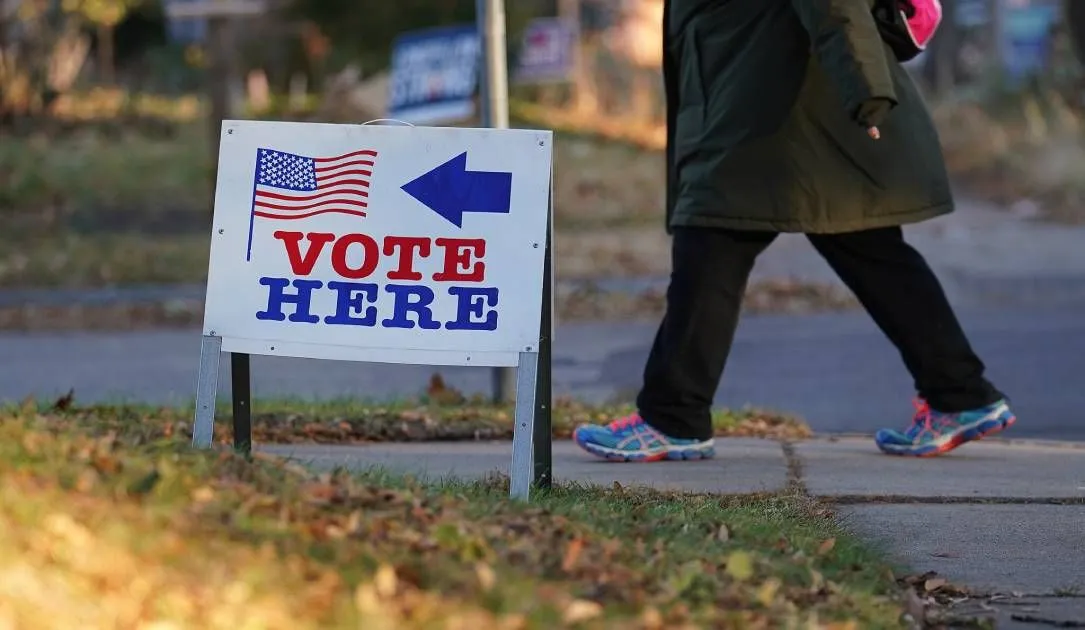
column 872, row 113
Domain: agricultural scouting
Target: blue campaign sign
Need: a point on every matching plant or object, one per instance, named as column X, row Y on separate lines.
column 435, row 75
column 1027, row 37
column 546, row 52
column 185, row 30
column 450, row 190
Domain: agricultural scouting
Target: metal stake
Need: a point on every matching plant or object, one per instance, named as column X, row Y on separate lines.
column 241, row 391
column 544, row 395
column 207, row 387
column 524, row 427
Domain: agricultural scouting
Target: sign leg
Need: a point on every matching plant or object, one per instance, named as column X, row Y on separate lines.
column 521, row 471
column 544, row 395
column 207, row 386
column 241, row 388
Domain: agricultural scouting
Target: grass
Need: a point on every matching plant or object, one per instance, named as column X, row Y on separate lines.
column 1029, row 149
column 103, row 528
column 441, row 414
column 72, row 260
column 90, row 170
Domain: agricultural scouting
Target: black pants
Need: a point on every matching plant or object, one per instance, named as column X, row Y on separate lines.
column 710, row 270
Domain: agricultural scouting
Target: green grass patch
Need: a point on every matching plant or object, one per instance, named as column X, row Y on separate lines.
column 92, row 170
column 104, row 529
column 69, row 260
column 442, row 414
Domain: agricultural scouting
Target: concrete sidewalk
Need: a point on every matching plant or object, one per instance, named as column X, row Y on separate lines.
column 1006, row 519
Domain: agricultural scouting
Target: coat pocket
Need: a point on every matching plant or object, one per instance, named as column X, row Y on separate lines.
column 853, row 161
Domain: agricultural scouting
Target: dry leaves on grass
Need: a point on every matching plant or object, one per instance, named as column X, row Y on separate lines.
column 216, row 541
column 446, row 415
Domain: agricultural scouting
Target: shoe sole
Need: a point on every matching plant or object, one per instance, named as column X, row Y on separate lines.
column 675, row 453
column 973, row 433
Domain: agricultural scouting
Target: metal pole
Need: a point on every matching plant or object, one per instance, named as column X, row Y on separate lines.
column 494, row 110
column 998, row 39
column 497, row 72
column 241, row 390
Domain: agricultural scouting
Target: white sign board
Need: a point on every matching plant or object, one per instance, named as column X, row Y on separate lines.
column 379, row 243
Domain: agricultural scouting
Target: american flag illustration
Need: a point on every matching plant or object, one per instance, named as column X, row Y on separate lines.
column 289, row 186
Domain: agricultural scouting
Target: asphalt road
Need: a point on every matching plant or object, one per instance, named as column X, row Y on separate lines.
column 834, row 369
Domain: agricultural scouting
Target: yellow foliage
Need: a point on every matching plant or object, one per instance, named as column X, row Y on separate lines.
column 103, row 12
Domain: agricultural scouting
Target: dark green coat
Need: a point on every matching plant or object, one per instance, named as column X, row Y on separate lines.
column 762, row 132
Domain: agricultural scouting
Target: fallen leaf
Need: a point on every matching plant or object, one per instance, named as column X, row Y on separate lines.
column 366, row 600
column 144, row 484
column 740, row 565
column 441, row 394
column 934, row 584
column 320, row 492
column 354, row 522
column 203, row 494
column 651, row 619
column 64, row 402
column 581, row 610
column 86, row 480
column 826, row 546
column 766, row 593
column 915, row 607
column 385, row 581
column 572, row 554
column 106, row 464
column 486, row 576
column 945, row 554
column 723, row 534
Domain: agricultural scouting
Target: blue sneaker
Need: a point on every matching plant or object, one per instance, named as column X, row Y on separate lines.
column 935, row 432
column 631, row 439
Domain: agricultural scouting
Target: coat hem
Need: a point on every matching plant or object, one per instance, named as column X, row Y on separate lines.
column 809, row 227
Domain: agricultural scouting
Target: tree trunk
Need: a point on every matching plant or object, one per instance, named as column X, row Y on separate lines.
column 106, row 62
column 219, row 48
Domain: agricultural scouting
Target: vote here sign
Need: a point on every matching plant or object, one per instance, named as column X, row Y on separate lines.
column 379, row 243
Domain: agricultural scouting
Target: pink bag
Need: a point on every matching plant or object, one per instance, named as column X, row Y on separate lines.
column 924, row 21
column 907, row 25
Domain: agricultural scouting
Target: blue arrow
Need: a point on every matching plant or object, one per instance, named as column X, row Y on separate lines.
column 451, row 190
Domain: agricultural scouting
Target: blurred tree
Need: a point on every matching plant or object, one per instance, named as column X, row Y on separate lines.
column 43, row 51
column 105, row 15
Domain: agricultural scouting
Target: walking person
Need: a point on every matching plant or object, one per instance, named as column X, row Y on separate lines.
column 796, row 116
